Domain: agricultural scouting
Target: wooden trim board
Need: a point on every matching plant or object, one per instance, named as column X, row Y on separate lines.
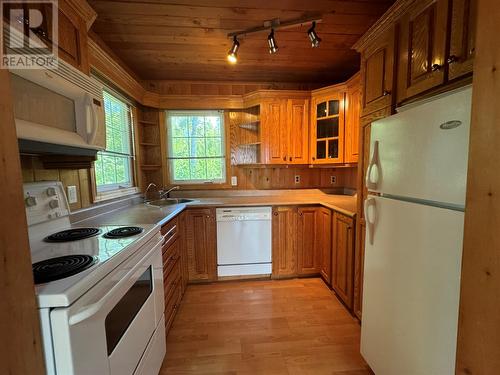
column 478, row 349
column 20, row 340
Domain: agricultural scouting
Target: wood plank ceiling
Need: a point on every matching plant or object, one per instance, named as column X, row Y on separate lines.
column 187, row 39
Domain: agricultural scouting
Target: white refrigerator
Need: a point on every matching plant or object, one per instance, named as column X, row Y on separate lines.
column 414, row 218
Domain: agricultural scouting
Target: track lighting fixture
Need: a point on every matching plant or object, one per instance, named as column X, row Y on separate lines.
column 313, row 37
column 232, row 53
column 273, row 47
column 274, row 24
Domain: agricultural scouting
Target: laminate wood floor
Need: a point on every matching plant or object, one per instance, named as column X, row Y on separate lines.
column 263, row 327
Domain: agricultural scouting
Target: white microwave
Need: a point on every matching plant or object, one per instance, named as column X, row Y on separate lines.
column 61, row 107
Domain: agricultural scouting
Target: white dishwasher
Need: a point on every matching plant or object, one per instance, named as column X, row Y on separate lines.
column 244, row 241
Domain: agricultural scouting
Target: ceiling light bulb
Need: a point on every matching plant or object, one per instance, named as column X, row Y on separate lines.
column 313, row 37
column 232, row 53
column 273, row 47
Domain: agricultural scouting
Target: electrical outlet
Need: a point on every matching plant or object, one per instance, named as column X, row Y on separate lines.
column 234, row 180
column 333, row 180
column 72, row 198
column 297, row 179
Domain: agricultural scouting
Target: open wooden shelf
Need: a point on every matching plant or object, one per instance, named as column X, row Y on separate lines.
column 249, row 144
column 252, row 126
column 145, row 122
column 150, row 167
column 149, row 144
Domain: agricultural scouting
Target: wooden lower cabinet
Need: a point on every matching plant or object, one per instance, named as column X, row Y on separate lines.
column 359, row 264
column 308, row 249
column 201, row 244
column 324, row 235
column 284, row 242
column 172, row 253
column 343, row 258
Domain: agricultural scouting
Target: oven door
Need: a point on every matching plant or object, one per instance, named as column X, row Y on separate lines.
column 108, row 329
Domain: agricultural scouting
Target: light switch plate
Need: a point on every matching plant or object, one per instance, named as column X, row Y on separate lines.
column 234, row 180
column 72, row 198
column 333, row 180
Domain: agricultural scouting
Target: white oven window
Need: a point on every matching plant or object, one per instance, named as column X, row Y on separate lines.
column 120, row 317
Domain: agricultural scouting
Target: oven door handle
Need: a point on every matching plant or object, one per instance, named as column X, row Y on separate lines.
column 92, row 309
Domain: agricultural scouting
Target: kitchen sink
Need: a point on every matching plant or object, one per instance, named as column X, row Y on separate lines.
column 168, row 202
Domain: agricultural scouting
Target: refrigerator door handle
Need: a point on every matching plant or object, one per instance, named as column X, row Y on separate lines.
column 370, row 223
column 372, row 183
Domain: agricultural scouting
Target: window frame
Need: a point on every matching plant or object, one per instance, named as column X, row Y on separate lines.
column 224, row 148
column 110, row 191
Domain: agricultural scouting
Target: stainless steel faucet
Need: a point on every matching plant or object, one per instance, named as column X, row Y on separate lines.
column 166, row 193
column 147, row 190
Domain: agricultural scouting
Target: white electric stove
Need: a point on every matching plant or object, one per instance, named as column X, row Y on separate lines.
column 99, row 289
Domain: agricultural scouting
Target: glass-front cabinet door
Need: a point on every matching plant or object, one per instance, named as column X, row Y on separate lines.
column 327, row 142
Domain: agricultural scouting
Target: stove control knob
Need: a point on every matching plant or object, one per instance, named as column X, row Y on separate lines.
column 54, row 203
column 51, row 191
column 30, row 201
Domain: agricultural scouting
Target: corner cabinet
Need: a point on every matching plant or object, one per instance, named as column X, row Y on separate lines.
column 343, row 258
column 324, row 235
column 284, row 242
column 285, row 128
column 201, row 244
column 327, row 128
column 308, row 249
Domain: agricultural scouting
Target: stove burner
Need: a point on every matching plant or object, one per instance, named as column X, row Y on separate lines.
column 73, row 234
column 123, row 232
column 61, row 267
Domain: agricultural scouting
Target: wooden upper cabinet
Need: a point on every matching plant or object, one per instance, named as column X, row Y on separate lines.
column 462, row 38
column 201, row 244
column 308, row 251
column 327, row 128
column 275, row 136
column 377, row 69
column 284, row 241
column 343, row 258
column 285, row 131
column 423, row 37
column 352, row 115
column 72, row 38
column 324, row 237
column 298, row 131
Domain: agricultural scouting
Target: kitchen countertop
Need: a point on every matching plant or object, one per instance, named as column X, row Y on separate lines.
column 141, row 213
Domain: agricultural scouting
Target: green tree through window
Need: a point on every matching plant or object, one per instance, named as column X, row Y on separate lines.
column 196, row 146
column 113, row 167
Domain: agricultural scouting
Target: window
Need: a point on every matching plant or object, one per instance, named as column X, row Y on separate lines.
column 113, row 167
column 196, row 149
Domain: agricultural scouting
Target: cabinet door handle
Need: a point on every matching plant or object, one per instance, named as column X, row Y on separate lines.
column 290, row 158
column 284, row 158
column 452, row 59
column 275, row 213
column 436, row 67
column 386, row 93
column 314, row 158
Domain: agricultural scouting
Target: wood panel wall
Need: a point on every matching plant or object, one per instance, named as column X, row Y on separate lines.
column 20, row 342
column 479, row 323
column 33, row 171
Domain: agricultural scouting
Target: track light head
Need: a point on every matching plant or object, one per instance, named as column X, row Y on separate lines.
column 273, row 47
column 232, row 53
column 313, row 37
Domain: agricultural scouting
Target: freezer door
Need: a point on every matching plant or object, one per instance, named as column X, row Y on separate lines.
column 411, row 288
column 422, row 152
